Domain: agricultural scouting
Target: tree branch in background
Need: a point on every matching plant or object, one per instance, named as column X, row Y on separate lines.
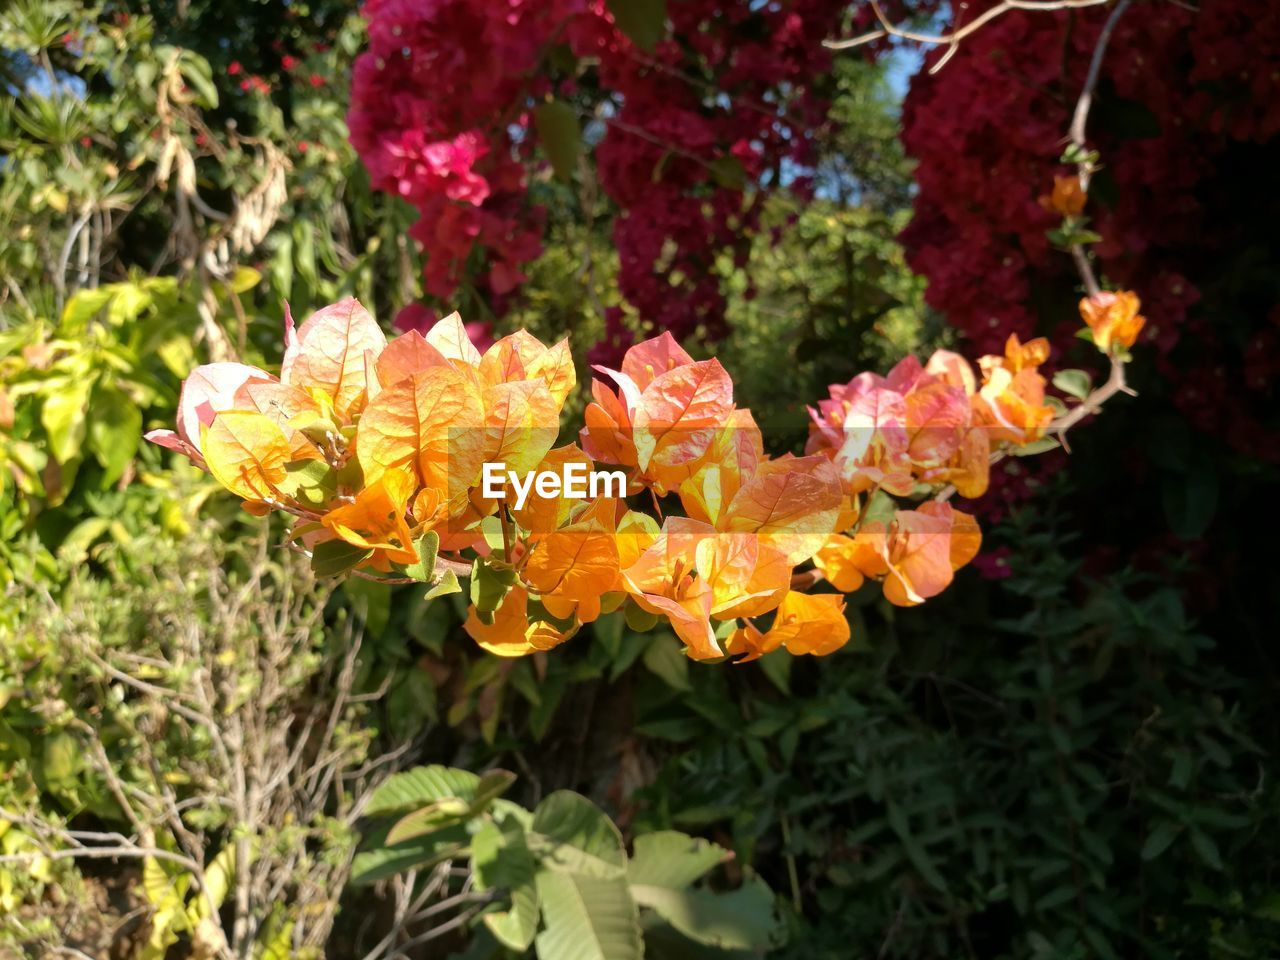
column 951, row 40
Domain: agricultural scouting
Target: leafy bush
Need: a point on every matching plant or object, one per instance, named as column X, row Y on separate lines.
column 557, row 877
column 189, row 714
column 1035, row 772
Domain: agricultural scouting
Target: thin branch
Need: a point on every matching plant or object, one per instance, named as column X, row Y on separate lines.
column 952, row 39
column 1079, row 121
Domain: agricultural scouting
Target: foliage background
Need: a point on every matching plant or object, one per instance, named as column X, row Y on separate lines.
column 1070, row 757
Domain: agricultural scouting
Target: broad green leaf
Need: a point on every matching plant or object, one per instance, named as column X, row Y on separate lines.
column 421, row 786
column 84, row 306
column 115, row 427
column 1207, row 848
column 643, row 21
column 335, row 557
column 218, row 877
column 428, row 819
column 1074, row 383
column 490, row 585
column 638, row 619
column 426, row 547
column 380, row 860
column 666, row 660
column 244, row 279
column 500, row 859
column 127, row 304
column 63, row 417
column 195, row 69
column 608, row 631
column 448, row 584
column 571, row 833
column 672, row 859
column 1159, row 839
column 743, row 919
column 587, row 918
column 560, row 136
column 312, row 482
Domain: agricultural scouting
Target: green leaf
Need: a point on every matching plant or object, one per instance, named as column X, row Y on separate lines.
column 560, row 135
column 744, row 919
column 428, row 819
column 218, row 877
column 381, row 860
column 115, row 428
column 448, row 584
column 638, row 619
column 644, row 21
column 195, row 69
column 500, row 859
column 1043, row 445
column 1159, row 839
column 727, row 171
column 1207, row 848
column 335, row 557
column 422, row 786
column 880, row 508
column 587, row 918
column 84, row 306
column 244, row 280
column 777, row 667
column 63, row 417
column 571, row 833
column 1074, row 383
column 664, row 657
column 490, row 585
column 913, row 848
column 75, row 545
column 310, row 481
column 426, row 545
column 608, row 631
column 672, row 859
column 60, row 759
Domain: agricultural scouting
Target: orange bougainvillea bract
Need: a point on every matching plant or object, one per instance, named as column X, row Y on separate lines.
column 422, row 459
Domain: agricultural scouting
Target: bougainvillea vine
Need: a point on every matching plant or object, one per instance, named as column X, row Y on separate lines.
column 384, row 453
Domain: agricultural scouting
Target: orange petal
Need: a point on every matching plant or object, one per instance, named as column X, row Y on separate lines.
column 838, row 561
column 647, row 361
column 246, row 452
column 810, row 623
column 522, row 422
column 679, row 414
column 209, row 390
column 555, row 368
column 376, row 519
column 793, row 503
column 407, row 354
column 449, row 336
column 512, row 633
column 333, row 353
column 428, row 423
